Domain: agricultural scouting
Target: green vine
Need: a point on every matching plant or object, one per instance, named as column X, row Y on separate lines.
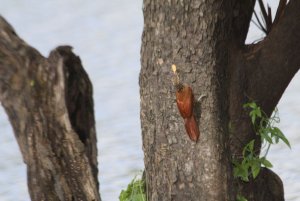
column 269, row 134
column 264, row 126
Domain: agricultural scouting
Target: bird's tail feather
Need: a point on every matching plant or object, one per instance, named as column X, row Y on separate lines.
column 191, row 128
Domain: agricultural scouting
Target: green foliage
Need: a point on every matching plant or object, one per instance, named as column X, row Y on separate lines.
column 264, row 127
column 240, row 198
column 135, row 191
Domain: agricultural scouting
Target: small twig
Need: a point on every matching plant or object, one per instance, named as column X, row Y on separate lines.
column 261, row 27
column 201, row 96
column 263, row 10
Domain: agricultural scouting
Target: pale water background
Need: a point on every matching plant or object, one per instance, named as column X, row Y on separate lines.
column 107, row 37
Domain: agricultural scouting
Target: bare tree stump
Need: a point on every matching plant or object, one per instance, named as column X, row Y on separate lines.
column 49, row 104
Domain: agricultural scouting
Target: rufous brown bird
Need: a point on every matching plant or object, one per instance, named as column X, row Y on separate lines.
column 185, row 104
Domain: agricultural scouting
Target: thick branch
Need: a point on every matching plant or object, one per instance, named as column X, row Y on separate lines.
column 79, row 101
column 273, row 62
column 241, row 20
column 45, row 100
column 280, row 11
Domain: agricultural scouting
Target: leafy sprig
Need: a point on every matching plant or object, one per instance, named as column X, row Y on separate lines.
column 264, row 126
column 135, row 191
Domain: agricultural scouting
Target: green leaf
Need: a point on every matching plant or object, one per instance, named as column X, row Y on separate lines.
column 251, row 105
column 241, row 171
column 138, row 197
column 254, row 112
column 124, row 195
column 278, row 133
column 248, row 149
column 134, row 191
column 264, row 136
column 255, row 169
column 266, row 163
column 246, row 105
column 240, row 198
column 253, row 117
column 276, row 139
column 258, row 112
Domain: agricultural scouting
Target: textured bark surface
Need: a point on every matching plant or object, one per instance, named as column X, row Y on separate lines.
column 206, row 40
column 49, row 104
column 190, row 34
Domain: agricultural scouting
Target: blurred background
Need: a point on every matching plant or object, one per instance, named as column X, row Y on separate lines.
column 107, row 37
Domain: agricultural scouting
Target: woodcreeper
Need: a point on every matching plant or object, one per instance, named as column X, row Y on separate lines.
column 185, row 104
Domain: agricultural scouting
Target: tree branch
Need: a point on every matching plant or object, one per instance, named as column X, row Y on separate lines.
column 280, row 10
column 273, row 62
column 241, row 20
column 49, row 104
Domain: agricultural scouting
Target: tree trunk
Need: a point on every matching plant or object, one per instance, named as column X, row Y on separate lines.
column 206, row 40
column 192, row 36
column 49, row 104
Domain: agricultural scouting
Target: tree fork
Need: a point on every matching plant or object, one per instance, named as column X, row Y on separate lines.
column 261, row 72
column 49, row 104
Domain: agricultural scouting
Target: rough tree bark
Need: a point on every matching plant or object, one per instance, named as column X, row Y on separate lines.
column 49, row 104
column 206, row 40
